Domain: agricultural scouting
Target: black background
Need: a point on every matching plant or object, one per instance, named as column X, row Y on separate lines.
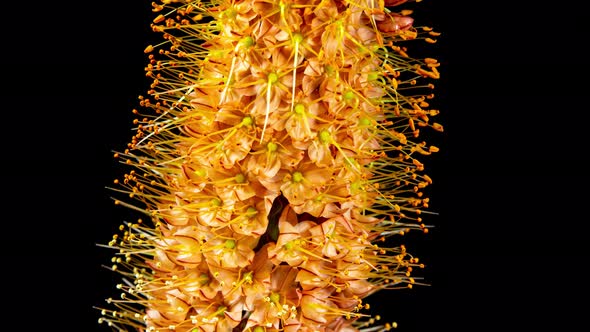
column 510, row 183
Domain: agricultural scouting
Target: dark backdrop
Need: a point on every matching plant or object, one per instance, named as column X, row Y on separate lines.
column 510, row 183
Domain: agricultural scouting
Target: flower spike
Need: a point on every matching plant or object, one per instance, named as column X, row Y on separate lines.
column 275, row 164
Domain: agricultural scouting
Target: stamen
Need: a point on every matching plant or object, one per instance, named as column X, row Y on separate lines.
column 272, row 79
column 297, row 39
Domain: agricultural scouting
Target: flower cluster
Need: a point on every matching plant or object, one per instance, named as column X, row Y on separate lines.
column 276, row 157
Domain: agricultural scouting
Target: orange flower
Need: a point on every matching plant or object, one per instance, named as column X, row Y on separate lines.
column 269, row 159
column 303, row 182
column 292, row 246
column 230, row 250
column 279, row 307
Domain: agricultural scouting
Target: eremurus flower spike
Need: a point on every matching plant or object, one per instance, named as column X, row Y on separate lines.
column 276, row 154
